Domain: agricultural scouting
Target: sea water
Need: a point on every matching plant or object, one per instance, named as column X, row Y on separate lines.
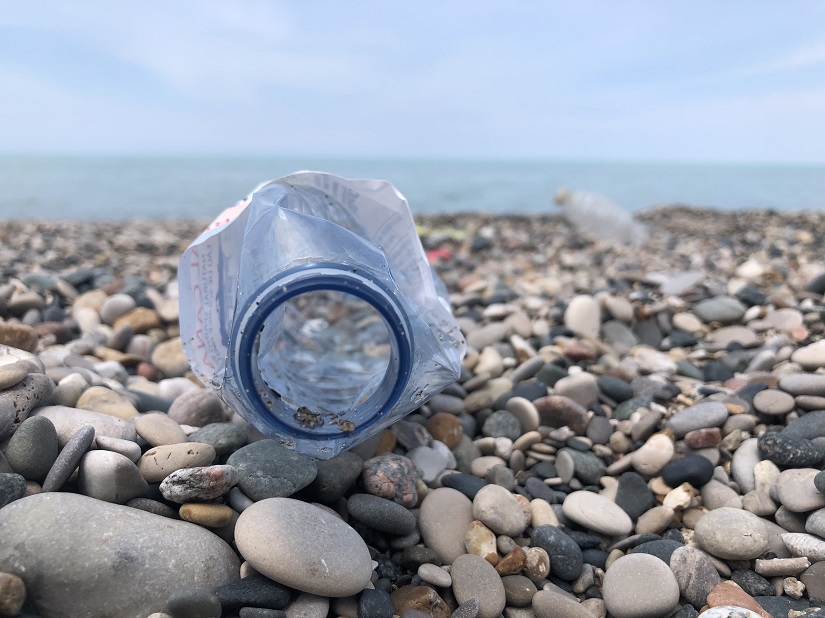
column 118, row 187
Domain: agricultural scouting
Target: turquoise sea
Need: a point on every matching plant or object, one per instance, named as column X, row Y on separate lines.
column 87, row 187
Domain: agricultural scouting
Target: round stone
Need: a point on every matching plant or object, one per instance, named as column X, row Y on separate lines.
column 106, row 401
column 698, row 416
column 197, row 407
column 115, row 306
column 633, row 495
column 502, row 424
column 444, row 518
column 428, row 461
column 731, row 534
column 693, row 469
column 499, row 510
column 33, row 448
column 13, row 373
column 796, row 490
column 474, row 577
column 158, row 429
column 628, row 582
column 550, row 604
column 446, row 428
column 773, row 402
column 811, row 357
column 268, row 470
column 526, row 413
column 381, row 514
column 303, row 547
column 391, row 476
column 434, row 575
column 723, row 309
column 169, row 357
column 518, row 590
column 90, row 537
column 597, row 513
column 653, row 455
column 69, row 458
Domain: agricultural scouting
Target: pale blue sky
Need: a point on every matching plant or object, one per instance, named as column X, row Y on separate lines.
column 697, row 81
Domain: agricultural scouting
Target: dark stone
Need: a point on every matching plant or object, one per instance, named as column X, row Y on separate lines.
column 465, row 483
column 817, row 284
column 69, row 458
column 253, row 591
column 633, row 495
column 550, row 374
column 33, row 448
column 381, row 514
column 545, row 470
column 808, row 426
column 374, row 604
column 387, row 568
column 585, row 540
column 688, row 369
column 662, row 549
column 749, row 391
column 538, row 489
column 194, row 603
column 819, row 482
column 335, row 477
column 502, row 424
column 780, row 606
column 12, row 487
column 261, row 612
column 565, row 554
column 518, row 590
column 750, row 296
column 599, row 430
column 693, row 469
column 596, row 557
column 647, row 331
column 617, row 389
column 686, row 611
column 588, row 467
column 413, row 557
column 268, row 470
column 625, row 409
column 680, row 339
column 716, row 372
column 226, row 438
column 144, row 402
column 752, row 583
column 789, row 452
column 468, row 609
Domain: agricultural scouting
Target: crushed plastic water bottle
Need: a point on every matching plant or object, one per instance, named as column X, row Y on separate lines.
column 311, row 310
column 597, row 217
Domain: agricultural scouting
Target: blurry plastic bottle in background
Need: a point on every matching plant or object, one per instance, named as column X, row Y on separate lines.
column 311, row 310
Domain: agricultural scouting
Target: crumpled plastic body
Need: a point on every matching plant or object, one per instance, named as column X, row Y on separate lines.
column 311, row 310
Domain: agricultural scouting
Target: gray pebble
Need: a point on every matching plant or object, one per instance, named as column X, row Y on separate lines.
column 33, row 448
column 69, row 458
column 381, row 514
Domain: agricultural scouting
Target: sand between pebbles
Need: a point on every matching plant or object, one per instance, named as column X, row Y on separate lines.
column 637, row 432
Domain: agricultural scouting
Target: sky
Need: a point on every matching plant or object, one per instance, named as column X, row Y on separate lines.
column 705, row 81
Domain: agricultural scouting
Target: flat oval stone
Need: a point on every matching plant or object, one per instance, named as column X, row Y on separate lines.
column 268, row 470
column 773, row 402
column 33, row 448
column 694, row 573
column 653, row 455
column 110, row 477
column 67, row 421
column 159, row 430
column 789, row 451
column 303, row 547
column 693, row 469
column 731, row 534
column 583, row 316
column 106, row 401
column 444, row 518
column 597, row 513
column 101, row 542
column 803, row 384
column 549, row 604
column 565, row 555
column 381, row 514
column 499, row 510
column 474, row 577
column 797, row 491
column 698, row 416
column 159, row 462
column 628, row 582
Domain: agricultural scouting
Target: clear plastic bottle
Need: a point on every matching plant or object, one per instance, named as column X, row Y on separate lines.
column 310, row 308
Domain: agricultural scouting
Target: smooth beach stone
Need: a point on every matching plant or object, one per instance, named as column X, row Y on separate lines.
column 209, row 515
column 717, row 495
column 13, row 374
column 773, row 402
column 663, row 549
column 731, row 534
column 653, row 455
column 252, row 591
column 159, row 430
column 633, row 495
column 741, row 335
column 225, row 438
column 8, row 420
column 420, row 599
column 127, row 448
column 499, row 510
column 467, row 484
column 444, row 518
column 808, row 545
column 33, row 448
column 797, row 492
column 550, row 604
column 115, row 306
column 159, row 462
column 565, row 554
column 308, row 605
column 474, row 577
column 374, row 604
column 153, row 506
column 67, row 421
column 106, row 401
column 526, row 413
column 807, row 426
column 480, row 540
column 12, row 594
column 434, row 575
column 587, row 466
column 789, row 451
column 558, row 411
column 110, row 477
column 583, row 316
column 381, row 514
column 695, row 574
column 201, row 483
column 304, row 547
column 168, row 356
column 581, row 388
column 811, row 357
column 752, row 583
column 268, row 470
column 597, row 513
column 197, row 408
column 617, row 389
column 693, row 469
column 335, row 476
column 391, row 476
column 723, row 309
column 194, row 602
column 743, row 463
column 698, row 416
column 69, row 458
column 27, row 394
column 102, row 542
column 12, row 487
column 518, row 590
column 628, row 582
column 803, row 384
column 428, row 461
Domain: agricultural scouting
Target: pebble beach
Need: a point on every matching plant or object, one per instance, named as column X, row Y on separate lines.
column 638, row 432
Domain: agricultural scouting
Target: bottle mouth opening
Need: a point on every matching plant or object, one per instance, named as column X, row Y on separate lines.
column 297, row 412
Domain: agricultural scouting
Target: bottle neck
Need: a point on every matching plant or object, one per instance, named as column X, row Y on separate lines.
column 265, row 408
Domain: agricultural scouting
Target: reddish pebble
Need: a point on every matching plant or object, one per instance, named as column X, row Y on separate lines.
column 703, row 438
column 148, row 371
column 391, row 476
